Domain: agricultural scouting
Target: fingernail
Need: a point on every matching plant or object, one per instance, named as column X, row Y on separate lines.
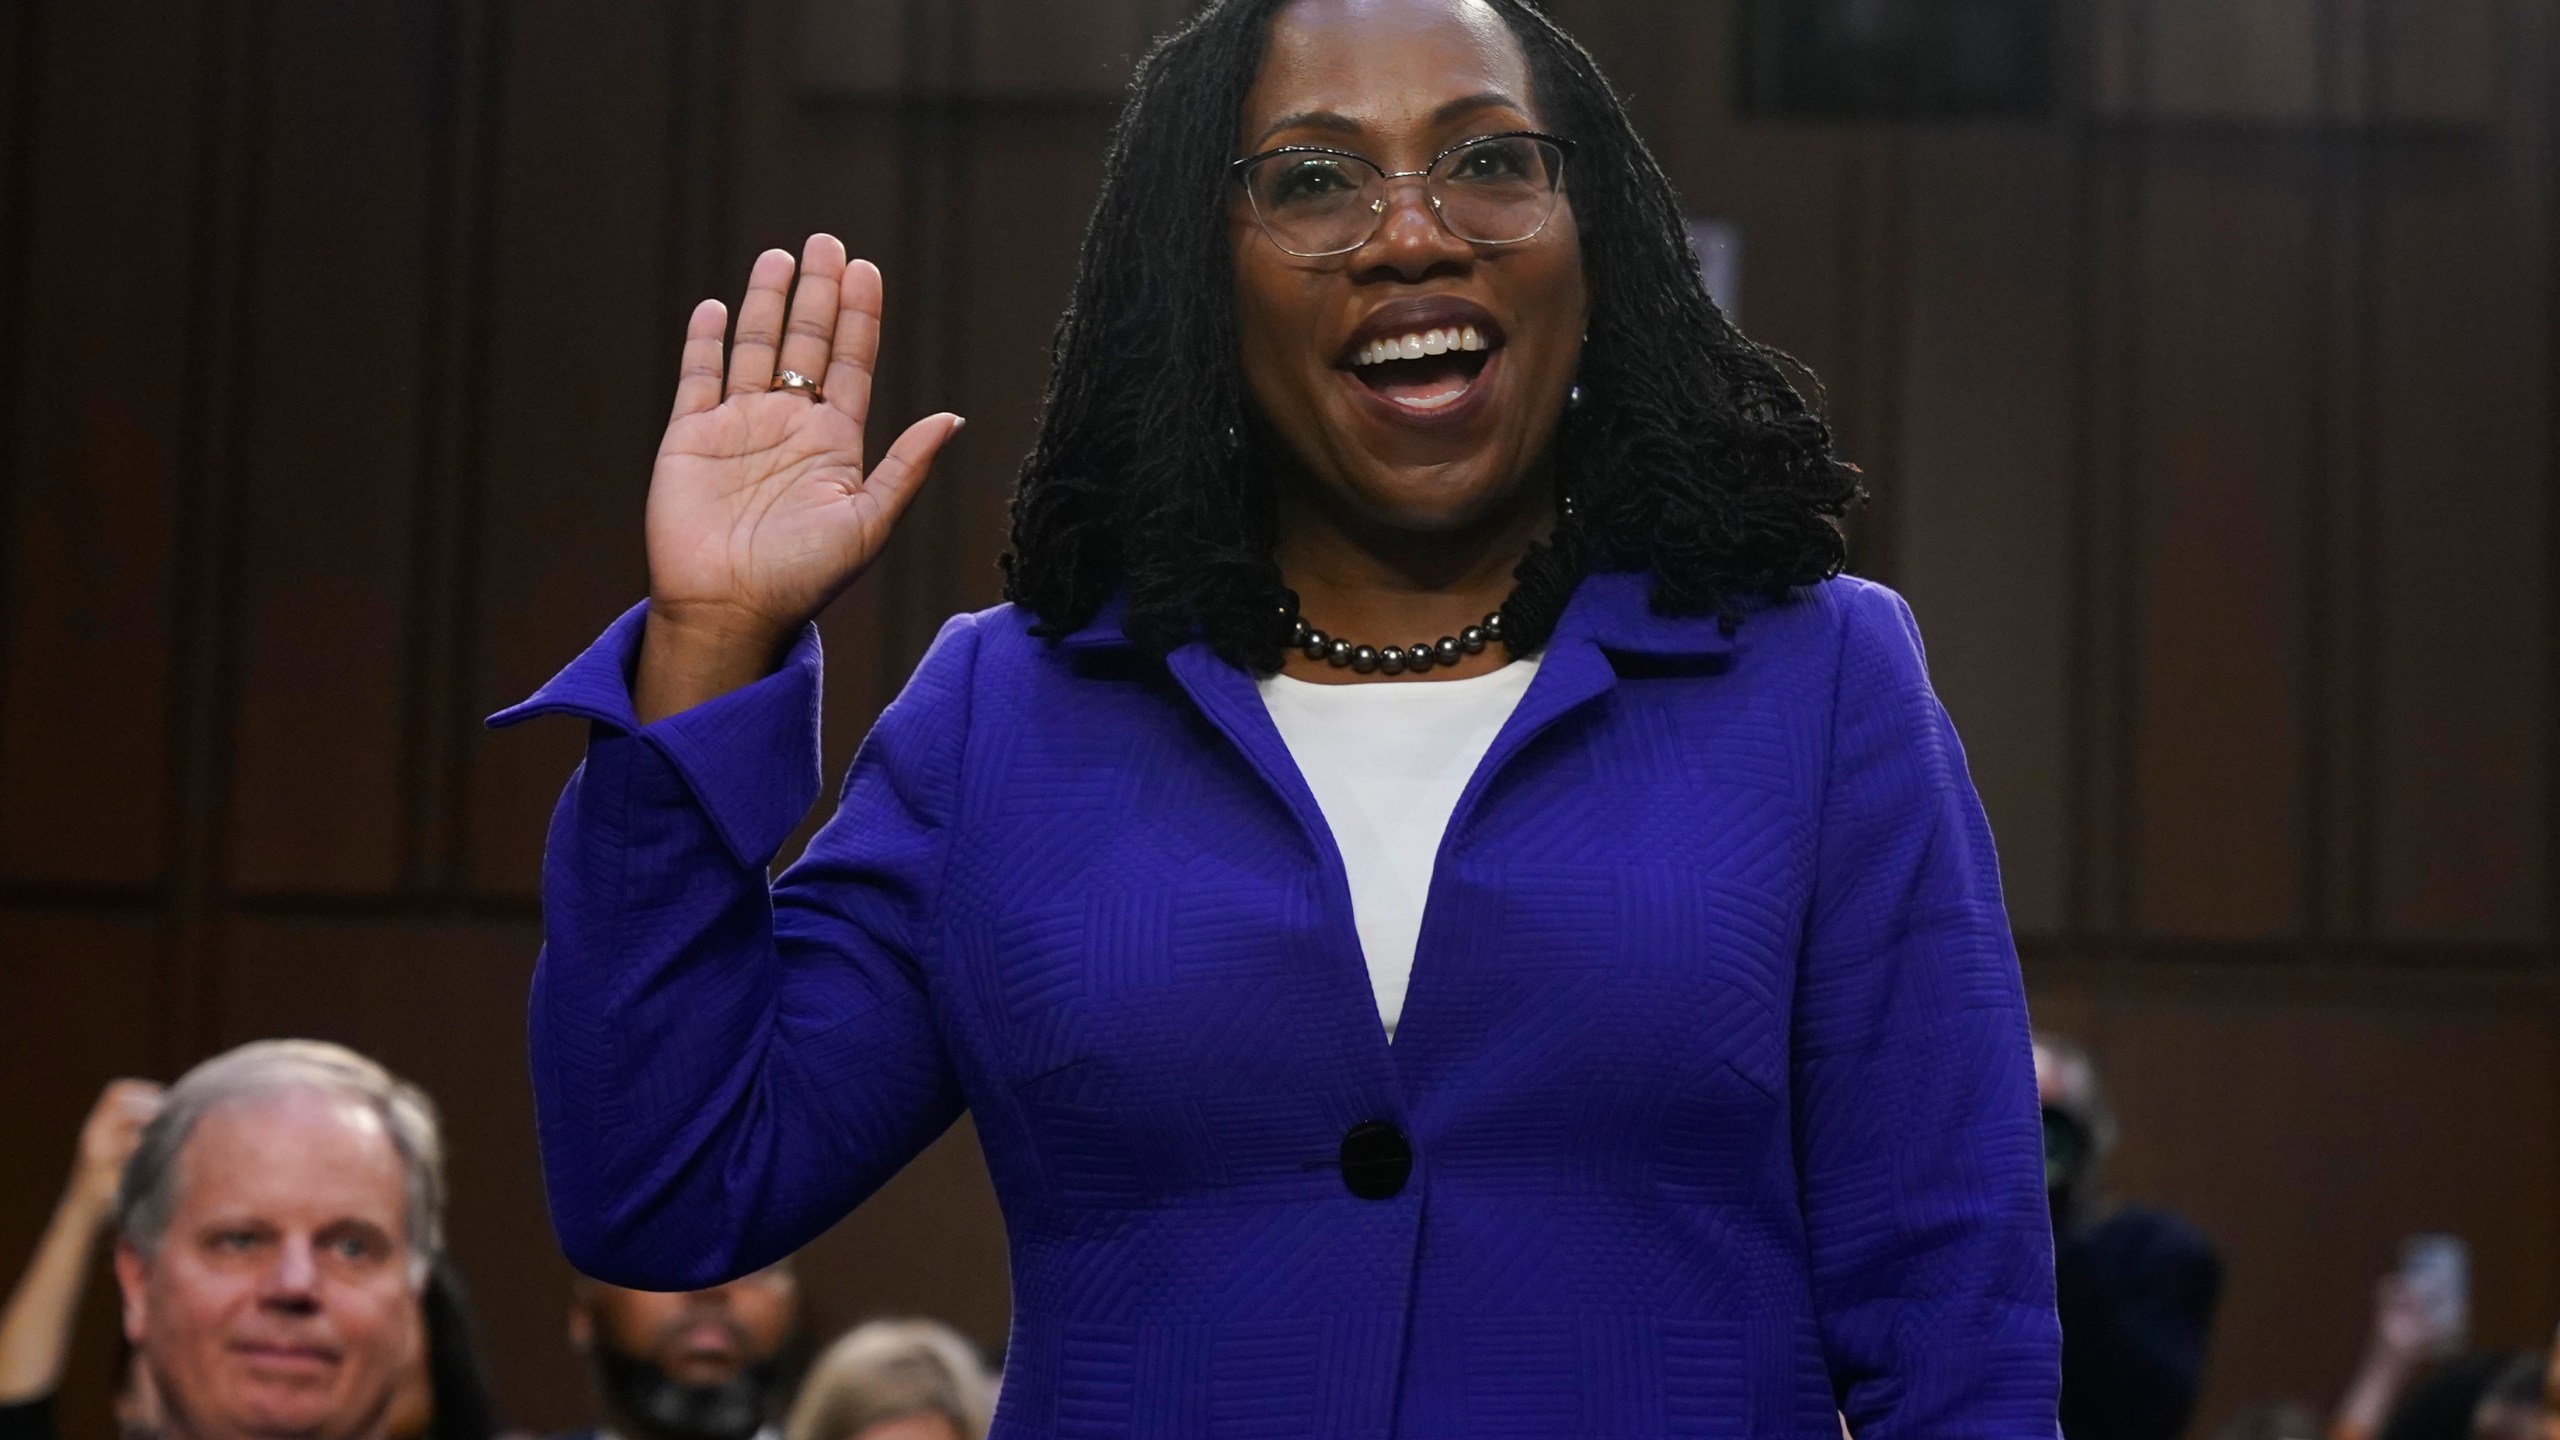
column 958, row 423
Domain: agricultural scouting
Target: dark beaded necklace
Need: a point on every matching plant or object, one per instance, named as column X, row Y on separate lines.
column 1313, row 643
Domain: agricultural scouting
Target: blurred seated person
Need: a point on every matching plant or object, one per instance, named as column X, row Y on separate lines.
column 2136, row 1287
column 896, row 1380
column 445, row 1396
column 714, row 1364
column 35, row 1329
column 276, row 1227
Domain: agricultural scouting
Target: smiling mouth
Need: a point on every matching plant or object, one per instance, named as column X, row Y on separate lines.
column 1425, row 370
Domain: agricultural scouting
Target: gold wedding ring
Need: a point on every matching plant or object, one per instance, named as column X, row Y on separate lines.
column 794, row 380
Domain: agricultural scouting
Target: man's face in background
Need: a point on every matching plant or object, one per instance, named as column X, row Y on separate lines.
column 282, row 1301
column 690, row 1365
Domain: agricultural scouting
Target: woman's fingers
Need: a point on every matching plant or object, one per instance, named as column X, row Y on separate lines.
column 807, row 339
column 760, row 323
column 698, row 374
column 900, row 473
column 857, row 342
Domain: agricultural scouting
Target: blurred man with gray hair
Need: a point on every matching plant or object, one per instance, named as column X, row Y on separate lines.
column 276, row 1226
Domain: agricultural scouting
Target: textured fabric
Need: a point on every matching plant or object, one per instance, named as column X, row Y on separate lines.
column 1715, row 1063
column 1386, row 765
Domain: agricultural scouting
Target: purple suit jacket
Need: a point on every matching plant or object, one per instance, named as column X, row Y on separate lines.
column 1711, row 1107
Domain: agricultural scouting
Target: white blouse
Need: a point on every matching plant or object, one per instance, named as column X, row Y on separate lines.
column 1387, row 763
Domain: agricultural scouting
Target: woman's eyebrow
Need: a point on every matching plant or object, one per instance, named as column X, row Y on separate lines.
column 1338, row 123
column 1341, row 124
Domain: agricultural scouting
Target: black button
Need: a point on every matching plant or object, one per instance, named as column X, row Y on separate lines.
column 1376, row 1160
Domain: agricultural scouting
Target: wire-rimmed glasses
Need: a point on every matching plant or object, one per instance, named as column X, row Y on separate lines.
column 1489, row 190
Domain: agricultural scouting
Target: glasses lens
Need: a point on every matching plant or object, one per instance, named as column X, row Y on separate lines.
column 1314, row 204
column 1496, row 191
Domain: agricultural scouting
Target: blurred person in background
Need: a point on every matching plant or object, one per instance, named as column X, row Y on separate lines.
column 2136, row 1287
column 2513, row 1407
column 35, row 1330
column 2413, row 1374
column 443, row 1396
column 715, row 1364
column 277, row 1224
column 896, row 1380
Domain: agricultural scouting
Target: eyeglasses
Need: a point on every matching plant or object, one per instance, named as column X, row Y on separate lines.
column 1491, row 190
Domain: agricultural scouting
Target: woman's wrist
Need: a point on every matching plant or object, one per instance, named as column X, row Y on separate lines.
column 691, row 654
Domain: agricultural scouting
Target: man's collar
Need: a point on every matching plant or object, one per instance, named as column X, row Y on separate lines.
column 1613, row 610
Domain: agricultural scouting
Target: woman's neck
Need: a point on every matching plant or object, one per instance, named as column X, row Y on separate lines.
column 1376, row 585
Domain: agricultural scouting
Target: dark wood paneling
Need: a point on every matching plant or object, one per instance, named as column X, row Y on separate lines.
column 2219, row 455
column 2459, row 698
column 335, row 356
column 98, row 356
column 579, row 373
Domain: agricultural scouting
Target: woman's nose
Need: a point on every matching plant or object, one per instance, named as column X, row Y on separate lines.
column 1410, row 238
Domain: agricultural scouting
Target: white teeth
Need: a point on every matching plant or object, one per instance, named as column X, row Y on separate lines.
column 1415, row 346
column 1431, row 402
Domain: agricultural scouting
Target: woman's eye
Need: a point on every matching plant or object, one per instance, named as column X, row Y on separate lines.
column 1310, row 180
column 1489, row 162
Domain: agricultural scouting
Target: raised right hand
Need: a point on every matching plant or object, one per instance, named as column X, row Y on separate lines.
column 760, row 510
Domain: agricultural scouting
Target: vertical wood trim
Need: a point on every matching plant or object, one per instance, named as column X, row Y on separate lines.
column 476, row 300
column 2123, row 558
column 2312, row 856
column 2364, row 479
column 21, row 42
column 416, row 743
column 934, row 129
column 701, row 188
column 2079, row 740
column 2549, row 175
column 210, row 539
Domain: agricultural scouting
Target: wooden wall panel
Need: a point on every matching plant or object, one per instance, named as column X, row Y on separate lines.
column 2460, row 648
column 339, row 305
column 2221, row 447
column 583, row 328
column 92, row 437
column 1982, row 515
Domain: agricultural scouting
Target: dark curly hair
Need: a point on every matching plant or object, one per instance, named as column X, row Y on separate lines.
column 1691, row 456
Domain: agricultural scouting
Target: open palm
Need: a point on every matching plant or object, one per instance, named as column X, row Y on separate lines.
column 760, row 509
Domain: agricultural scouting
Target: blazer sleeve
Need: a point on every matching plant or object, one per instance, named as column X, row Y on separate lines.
column 1918, row 1148
column 723, row 1068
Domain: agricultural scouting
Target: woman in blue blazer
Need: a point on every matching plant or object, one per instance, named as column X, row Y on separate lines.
column 1450, row 921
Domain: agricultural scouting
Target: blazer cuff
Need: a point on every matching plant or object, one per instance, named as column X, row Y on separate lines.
column 749, row 757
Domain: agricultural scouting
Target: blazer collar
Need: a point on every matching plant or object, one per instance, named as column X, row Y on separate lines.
column 1612, row 610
